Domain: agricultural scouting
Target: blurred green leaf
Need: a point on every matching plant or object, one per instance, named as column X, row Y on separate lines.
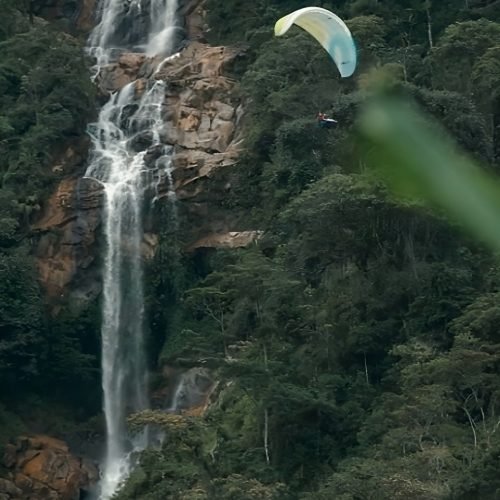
column 419, row 161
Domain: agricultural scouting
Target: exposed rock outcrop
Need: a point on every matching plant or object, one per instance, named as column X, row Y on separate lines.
column 125, row 70
column 66, row 230
column 200, row 113
column 193, row 13
column 203, row 116
column 185, row 392
column 67, row 238
column 232, row 239
column 42, row 468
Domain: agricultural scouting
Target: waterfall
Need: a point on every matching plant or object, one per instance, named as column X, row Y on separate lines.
column 162, row 27
column 134, row 25
column 129, row 127
column 179, row 395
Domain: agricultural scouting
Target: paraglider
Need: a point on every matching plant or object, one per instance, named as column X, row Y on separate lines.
column 329, row 30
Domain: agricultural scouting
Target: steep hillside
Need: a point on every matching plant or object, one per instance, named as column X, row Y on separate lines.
column 355, row 348
column 309, row 336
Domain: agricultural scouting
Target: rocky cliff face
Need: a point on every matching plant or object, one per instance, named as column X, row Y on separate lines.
column 43, row 467
column 67, row 232
column 202, row 115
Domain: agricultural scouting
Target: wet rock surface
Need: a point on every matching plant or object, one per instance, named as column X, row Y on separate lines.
column 201, row 116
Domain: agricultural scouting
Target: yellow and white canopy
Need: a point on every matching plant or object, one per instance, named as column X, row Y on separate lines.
column 330, row 31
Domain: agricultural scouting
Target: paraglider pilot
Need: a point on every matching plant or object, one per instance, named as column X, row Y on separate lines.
column 324, row 121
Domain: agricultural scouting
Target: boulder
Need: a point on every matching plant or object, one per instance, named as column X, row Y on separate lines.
column 44, row 469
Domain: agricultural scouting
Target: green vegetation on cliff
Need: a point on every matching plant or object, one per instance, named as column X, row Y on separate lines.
column 46, row 99
column 356, row 346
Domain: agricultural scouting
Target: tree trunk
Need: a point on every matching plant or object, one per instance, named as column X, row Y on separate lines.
column 429, row 27
column 266, row 434
column 266, row 415
column 472, row 425
column 223, row 332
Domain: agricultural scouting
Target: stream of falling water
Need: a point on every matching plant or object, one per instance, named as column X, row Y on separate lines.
column 117, row 161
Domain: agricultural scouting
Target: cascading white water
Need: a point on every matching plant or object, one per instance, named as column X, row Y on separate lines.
column 162, row 27
column 128, row 129
column 124, row 24
column 178, row 395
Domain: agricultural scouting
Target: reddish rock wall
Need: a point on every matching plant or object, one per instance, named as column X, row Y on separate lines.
column 42, row 468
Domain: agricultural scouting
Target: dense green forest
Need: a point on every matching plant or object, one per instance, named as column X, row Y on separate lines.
column 46, row 98
column 356, row 346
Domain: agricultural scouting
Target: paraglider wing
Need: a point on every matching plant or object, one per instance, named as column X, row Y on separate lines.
column 330, row 31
